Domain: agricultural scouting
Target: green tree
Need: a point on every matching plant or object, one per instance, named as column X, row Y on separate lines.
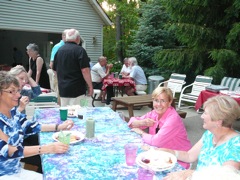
column 209, row 33
column 124, row 16
column 151, row 35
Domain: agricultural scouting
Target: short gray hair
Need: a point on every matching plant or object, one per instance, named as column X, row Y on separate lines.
column 33, row 47
column 72, row 35
column 133, row 60
column 6, row 80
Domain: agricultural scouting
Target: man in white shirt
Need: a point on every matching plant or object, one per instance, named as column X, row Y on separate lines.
column 100, row 71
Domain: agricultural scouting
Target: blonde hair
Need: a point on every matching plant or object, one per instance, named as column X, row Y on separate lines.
column 15, row 71
column 160, row 90
column 223, row 108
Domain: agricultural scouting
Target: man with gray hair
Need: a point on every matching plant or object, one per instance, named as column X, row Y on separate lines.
column 136, row 74
column 54, row 51
column 71, row 64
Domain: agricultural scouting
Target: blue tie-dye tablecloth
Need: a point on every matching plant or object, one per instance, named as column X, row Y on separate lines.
column 99, row 158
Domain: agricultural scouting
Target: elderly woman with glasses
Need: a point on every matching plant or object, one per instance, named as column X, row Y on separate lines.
column 14, row 127
column 165, row 127
column 220, row 143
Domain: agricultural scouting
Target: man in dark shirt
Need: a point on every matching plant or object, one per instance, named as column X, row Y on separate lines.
column 71, row 63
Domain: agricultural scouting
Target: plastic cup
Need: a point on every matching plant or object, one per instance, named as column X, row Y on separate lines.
column 64, row 137
column 83, row 102
column 145, row 174
column 63, row 113
column 130, row 153
column 120, row 76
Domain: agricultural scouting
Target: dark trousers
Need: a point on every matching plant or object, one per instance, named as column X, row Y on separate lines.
column 33, row 160
column 110, row 94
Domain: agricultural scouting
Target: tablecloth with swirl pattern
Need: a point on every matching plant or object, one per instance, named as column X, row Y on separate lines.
column 99, row 158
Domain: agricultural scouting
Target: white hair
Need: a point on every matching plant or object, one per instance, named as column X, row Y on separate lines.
column 216, row 173
column 72, row 35
column 133, row 61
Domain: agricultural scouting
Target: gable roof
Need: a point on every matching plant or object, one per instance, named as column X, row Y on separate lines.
column 98, row 8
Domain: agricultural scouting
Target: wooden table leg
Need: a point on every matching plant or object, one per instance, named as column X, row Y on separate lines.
column 130, row 111
column 114, row 107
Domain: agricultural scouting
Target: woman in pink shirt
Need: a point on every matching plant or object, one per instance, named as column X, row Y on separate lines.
column 165, row 126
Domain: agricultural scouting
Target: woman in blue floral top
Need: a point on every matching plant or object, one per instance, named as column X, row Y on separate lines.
column 33, row 91
column 14, row 127
column 220, row 144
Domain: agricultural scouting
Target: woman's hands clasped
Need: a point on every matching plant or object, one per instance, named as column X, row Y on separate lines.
column 148, row 122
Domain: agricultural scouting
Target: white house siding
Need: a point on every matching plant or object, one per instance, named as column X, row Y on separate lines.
column 41, row 19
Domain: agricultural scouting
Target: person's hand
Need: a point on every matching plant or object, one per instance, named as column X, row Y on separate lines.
column 138, row 131
column 57, row 148
column 148, row 122
column 180, row 175
column 109, row 66
column 90, row 92
column 66, row 125
column 24, row 100
column 3, row 136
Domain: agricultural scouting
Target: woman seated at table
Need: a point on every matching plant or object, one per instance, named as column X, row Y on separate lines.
column 126, row 69
column 165, row 126
column 14, row 127
column 220, row 144
column 27, row 94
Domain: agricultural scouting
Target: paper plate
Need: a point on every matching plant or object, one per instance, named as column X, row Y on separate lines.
column 156, row 160
column 76, row 136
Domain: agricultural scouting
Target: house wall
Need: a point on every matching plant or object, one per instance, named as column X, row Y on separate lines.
column 42, row 21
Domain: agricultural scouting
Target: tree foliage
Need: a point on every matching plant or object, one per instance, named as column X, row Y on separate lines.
column 150, row 36
column 126, row 13
column 209, row 34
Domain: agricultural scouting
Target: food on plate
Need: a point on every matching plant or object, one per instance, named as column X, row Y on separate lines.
column 158, row 161
column 71, row 112
column 73, row 137
column 146, row 160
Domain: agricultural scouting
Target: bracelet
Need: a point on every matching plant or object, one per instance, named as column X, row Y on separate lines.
column 39, row 149
column 56, row 127
column 176, row 153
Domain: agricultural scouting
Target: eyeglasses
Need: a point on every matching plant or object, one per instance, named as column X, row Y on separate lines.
column 12, row 91
column 161, row 101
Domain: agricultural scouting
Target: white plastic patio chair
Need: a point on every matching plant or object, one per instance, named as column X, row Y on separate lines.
column 175, row 83
column 96, row 93
column 44, row 100
column 200, row 83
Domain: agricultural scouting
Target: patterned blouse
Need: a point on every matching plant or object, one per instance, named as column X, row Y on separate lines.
column 16, row 128
column 210, row 155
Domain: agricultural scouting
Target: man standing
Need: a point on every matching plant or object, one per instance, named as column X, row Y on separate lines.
column 57, row 46
column 100, row 71
column 71, row 64
column 54, row 51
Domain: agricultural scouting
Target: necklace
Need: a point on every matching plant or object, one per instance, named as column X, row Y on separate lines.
column 215, row 143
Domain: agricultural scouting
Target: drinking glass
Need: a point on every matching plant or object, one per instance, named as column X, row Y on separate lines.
column 130, row 153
